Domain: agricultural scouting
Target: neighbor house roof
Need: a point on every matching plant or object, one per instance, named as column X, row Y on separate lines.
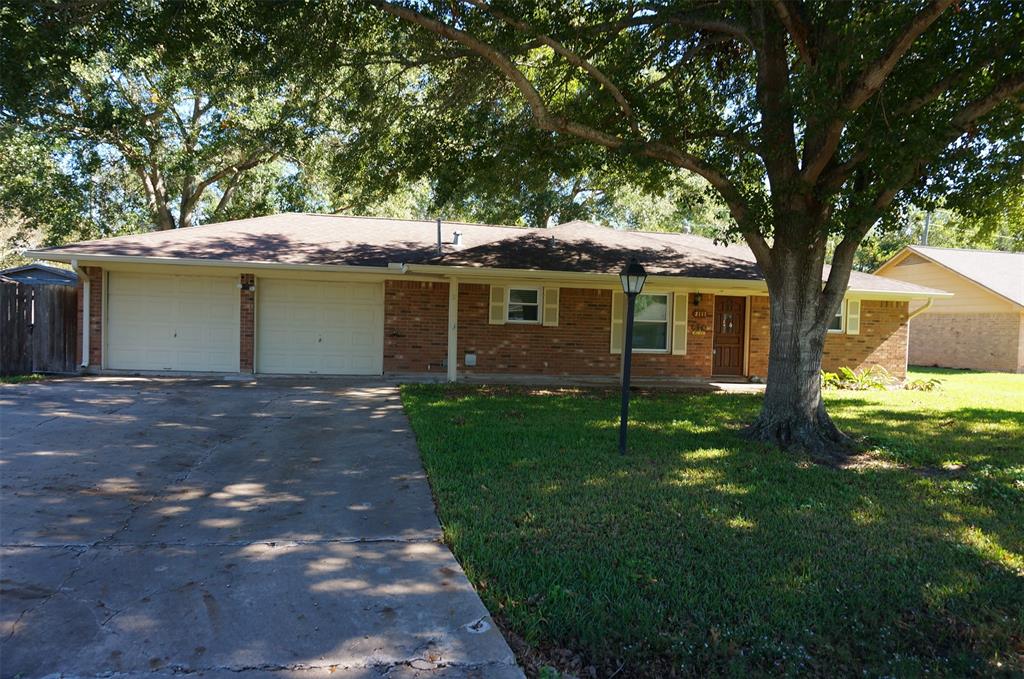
column 40, row 274
column 319, row 240
column 1000, row 272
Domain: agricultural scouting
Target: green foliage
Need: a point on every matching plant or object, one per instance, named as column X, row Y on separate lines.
column 1000, row 227
column 702, row 554
column 930, row 384
column 874, row 378
column 21, row 379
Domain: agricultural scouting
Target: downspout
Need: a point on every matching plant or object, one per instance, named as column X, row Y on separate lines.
column 917, row 312
column 86, row 294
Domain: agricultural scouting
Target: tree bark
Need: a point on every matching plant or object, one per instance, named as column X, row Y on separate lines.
column 793, row 415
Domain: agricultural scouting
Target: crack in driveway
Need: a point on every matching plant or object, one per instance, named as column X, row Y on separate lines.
column 192, row 577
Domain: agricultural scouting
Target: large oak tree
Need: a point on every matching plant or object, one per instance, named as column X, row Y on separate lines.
column 812, row 120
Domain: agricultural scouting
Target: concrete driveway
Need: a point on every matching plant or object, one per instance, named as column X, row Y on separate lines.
column 157, row 526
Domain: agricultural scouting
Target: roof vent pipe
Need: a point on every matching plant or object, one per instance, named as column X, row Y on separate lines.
column 456, row 238
column 439, row 250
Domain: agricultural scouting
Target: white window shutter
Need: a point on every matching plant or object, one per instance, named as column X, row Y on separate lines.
column 618, row 318
column 550, row 306
column 853, row 317
column 497, row 314
column 680, row 314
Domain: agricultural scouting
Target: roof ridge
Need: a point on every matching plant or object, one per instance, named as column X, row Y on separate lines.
column 403, row 219
column 915, row 246
column 642, row 231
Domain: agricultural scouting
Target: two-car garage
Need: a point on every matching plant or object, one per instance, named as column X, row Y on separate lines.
column 193, row 324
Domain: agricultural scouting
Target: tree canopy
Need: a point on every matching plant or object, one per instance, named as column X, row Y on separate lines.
column 814, row 123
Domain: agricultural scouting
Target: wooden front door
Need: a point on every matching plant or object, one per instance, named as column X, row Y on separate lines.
column 730, row 319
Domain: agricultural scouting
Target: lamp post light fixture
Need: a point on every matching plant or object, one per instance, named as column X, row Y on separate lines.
column 633, row 278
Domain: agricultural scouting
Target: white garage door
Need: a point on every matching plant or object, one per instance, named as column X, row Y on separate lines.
column 319, row 327
column 158, row 322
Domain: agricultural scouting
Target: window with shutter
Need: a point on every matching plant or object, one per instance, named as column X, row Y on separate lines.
column 497, row 305
column 680, row 312
column 853, row 317
column 550, row 306
column 618, row 316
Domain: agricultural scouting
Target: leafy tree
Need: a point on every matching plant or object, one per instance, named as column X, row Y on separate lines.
column 814, row 121
column 118, row 90
column 999, row 225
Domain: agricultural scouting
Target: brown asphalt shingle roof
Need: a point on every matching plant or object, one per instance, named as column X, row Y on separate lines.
column 296, row 238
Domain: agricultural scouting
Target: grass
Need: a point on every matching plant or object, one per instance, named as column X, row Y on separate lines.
column 700, row 553
column 18, row 379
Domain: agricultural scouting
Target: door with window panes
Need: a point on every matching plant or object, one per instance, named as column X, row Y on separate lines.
column 730, row 318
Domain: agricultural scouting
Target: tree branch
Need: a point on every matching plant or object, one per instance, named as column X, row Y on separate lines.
column 570, row 56
column 546, row 120
column 792, row 18
column 869, row 82
column 912, row 170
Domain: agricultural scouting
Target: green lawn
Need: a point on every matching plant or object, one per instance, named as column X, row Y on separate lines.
column 702, row 554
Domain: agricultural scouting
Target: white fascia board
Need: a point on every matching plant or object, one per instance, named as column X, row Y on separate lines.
column 893, row 295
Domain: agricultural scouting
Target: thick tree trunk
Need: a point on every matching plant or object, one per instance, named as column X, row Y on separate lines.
column 793, row 415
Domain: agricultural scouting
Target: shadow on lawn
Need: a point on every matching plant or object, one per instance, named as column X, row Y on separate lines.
column 969, row 435
column 699, row 553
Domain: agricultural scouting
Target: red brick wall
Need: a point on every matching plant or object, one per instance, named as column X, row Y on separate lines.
column 415, row 326
column 247, row 314
column 697, row 360
column 977, row 341
column 882, row 339
column 95, row 329
column 760, row 336
column 578, row 345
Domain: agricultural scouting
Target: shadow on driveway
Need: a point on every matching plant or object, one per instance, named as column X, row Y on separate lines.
column 157, row 526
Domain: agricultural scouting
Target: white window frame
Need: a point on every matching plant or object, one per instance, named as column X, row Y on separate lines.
column 842, row 320
column 539, row 304
column 668, row 324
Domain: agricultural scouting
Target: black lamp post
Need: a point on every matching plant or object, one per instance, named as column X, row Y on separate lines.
column 633, row 278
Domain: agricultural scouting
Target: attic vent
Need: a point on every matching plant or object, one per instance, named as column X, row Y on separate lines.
column 911, row 260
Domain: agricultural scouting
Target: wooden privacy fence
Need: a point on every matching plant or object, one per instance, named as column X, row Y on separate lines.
column 38, row 328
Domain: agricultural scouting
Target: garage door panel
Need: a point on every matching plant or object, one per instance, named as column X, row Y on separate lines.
column 319, row 327
column 165, row 322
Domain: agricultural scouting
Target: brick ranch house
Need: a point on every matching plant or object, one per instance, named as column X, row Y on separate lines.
column 303, row 293
column 982, row 325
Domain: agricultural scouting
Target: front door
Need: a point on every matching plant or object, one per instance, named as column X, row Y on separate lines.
column 730, row 317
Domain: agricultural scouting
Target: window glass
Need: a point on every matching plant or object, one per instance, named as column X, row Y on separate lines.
column 650, row 324
column 837, row 321
column 652, row 308
column 519, row 296
column 523, row 305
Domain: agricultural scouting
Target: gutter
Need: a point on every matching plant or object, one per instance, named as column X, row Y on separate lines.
column 86, row 294
column 603, row 280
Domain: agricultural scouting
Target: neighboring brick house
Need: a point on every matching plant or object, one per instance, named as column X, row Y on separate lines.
column 982, row 325
column 302, row 294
